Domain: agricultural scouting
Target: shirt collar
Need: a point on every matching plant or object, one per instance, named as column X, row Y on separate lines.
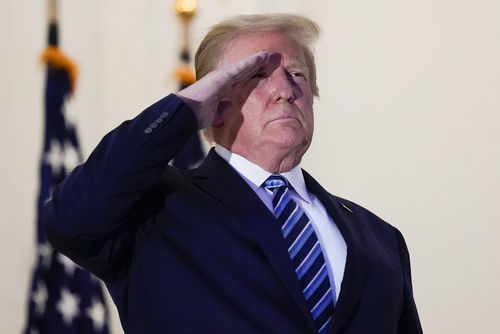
column 256, row 175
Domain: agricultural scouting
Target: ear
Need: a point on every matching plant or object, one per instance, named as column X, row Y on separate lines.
column 223, row 108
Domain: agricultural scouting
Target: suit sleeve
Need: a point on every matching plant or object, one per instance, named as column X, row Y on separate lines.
column 409, row 322
column 95, row 213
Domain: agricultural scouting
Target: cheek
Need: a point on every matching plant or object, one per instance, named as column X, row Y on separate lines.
column 254, row 105
column 311, row 116
column 307, row 112
column 255, row 96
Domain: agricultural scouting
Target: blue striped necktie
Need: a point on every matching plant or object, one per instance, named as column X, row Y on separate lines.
column 304, row 251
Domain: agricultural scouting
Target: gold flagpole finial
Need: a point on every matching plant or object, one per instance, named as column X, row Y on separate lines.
column 52, row 10
column 185, row 8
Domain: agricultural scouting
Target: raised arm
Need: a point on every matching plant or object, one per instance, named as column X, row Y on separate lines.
column 94, row 214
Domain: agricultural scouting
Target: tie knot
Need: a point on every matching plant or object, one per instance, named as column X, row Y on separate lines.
column 275, row 181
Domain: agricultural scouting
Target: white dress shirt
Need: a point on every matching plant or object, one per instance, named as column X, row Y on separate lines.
column 331, row 240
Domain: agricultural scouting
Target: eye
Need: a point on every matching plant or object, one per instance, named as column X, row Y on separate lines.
column 260, row 75
column 297, row 74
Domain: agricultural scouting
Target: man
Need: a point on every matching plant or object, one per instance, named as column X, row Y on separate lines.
column 247, row 242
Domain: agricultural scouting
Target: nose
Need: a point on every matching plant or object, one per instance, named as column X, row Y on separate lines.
column 282, row 86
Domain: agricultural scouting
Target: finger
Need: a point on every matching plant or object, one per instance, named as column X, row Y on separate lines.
column 268, row 65
column 265, row 68
column 249, row 65
column 275, row 59
column 265, row 65
column 243, row 70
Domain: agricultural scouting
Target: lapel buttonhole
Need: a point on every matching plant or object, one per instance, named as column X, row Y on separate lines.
column 346, row 207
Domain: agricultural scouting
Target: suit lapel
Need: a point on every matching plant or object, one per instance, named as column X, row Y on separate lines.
column 358, row 260
column 221, row 181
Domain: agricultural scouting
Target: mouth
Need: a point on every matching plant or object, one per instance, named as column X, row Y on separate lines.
column 285, row 118
column 285, row 121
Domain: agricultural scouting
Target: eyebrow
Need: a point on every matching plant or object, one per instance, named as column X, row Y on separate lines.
column 296, row 63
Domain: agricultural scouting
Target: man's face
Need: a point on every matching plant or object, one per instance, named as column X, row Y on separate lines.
column 269, row 115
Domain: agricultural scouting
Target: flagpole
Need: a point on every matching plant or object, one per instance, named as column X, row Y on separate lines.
column 52, row 14
column 186, row 9
column 192, row 152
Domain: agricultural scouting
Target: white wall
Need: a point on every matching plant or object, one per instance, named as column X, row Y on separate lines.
column 408, row 125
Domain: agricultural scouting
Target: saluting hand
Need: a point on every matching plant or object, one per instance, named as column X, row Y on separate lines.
column 205, row 94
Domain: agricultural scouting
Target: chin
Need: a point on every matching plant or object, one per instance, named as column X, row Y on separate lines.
column 291, row 141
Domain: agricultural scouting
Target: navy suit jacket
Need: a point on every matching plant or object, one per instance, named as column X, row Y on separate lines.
column 198, row 252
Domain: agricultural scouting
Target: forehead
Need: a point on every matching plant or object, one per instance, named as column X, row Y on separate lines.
column 251, row 43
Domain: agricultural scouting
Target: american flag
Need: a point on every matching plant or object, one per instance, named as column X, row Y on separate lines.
column 63, row 298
